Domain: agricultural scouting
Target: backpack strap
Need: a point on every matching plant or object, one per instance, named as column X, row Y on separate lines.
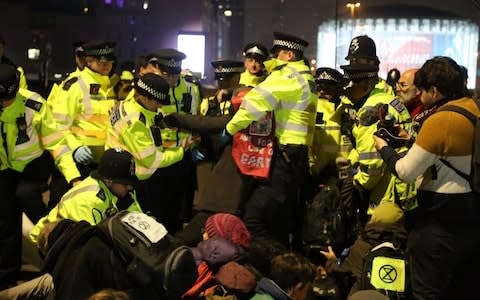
column 473, row 119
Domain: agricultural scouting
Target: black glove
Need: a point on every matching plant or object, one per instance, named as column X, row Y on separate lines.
column 171, row 120
column 392, row 140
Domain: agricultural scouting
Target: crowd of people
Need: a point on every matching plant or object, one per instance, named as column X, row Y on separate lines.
column 229, row 174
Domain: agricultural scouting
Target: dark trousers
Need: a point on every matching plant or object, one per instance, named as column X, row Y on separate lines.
column 164, row 195
column 275, row 208
column 21, row 192
column 444, row 255
column 59, row 185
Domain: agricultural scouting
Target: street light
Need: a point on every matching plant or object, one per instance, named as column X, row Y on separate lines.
column 352, row 7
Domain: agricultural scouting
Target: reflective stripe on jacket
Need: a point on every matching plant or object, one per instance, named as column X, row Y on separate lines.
column 131, row 129
column 289, row 91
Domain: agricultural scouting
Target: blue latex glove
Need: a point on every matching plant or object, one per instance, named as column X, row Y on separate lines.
column 197, row 155
column 83, row 155
column 225, row 137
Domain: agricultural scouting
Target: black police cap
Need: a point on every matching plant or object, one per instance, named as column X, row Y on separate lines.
column 100, row 49
column 117, row 165
column 255, row 50
column 289, row 42
column 362, row 55
column 9, row 81
column 226, row 68
column 154, row 87
column 169, row 60
column 328, row 75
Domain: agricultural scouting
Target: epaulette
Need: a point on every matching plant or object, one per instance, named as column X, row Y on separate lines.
column 67, row 84
column 35, row 105
column 279, row 67
column 141, row 118
column 399, row 106
column 101, row 195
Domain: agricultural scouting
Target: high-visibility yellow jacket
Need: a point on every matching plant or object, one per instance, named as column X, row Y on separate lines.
column 27, row 129
column 184, row 92
column 82, row 109
column 289, row 91
column 90, row 201
column 211, row 107
column 57, row 87
column 372, row 175
column 249, row 79
column 329, row 142
column 132, row 127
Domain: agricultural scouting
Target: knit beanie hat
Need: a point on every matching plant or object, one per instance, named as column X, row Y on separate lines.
column 229, row 227
column 387, row 212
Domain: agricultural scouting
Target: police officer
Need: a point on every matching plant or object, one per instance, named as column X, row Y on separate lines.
column 82, row 108
column 289, row 92
column 227, row 75
column 333, row 111
column 136, row 127
column 27, row 130
column 184, row 98
column 255, row 54
column 107, row 190
column 372, row 180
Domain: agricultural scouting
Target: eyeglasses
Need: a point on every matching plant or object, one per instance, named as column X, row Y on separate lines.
column 403, row 86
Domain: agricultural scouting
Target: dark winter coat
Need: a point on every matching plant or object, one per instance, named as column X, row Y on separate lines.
column 373, row 234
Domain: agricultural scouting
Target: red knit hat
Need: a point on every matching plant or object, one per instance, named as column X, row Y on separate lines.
column 229, row 227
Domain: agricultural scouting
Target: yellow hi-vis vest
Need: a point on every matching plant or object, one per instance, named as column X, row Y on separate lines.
column 27, row 129
column 328, row 141
column 90, row 201
column 82, row 110
column 249, row 79
column 289, row 91
column 174, row 137
column 57, row 87
column 372, row 175
column 132, row 127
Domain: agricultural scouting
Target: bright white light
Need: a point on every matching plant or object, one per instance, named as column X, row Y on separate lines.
column 145, row 5
column 85, row 9
column 193, row 45
column 313, row 61
column 33, row 53
column 228, row 13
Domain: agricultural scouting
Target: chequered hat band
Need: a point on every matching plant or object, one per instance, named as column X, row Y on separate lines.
column 99, row 52
column 360, row 75
column 156, row 94
column 229, row 70
column 171, row 63
column 255, row 50
column 326, row 76
column 289, row 45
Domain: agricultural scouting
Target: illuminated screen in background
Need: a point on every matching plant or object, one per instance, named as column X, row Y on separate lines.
column 193, row 45
column 402, row 43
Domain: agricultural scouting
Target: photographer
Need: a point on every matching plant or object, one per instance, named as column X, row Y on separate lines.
column 444, row 242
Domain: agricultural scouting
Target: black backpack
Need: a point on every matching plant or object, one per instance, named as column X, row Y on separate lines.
column 154, row 259
column 330, row 220
column 474, row 177
column 385, row 269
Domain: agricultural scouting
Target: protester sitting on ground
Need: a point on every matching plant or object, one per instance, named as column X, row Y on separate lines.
column 291, row 276
column 106, row 191
column 226, row 239
column 385, row 225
